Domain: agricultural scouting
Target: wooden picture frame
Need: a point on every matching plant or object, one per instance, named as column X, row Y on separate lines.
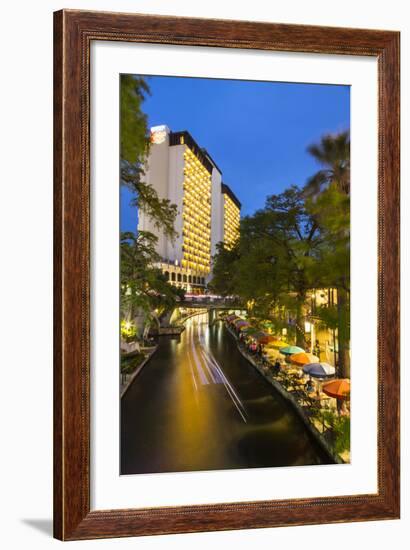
column 73, row 33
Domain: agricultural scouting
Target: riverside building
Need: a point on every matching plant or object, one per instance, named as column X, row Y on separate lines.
column 208, row 211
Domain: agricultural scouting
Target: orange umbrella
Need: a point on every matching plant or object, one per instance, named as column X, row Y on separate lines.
column 339, row 388
column 303, row 358
column 265, row 339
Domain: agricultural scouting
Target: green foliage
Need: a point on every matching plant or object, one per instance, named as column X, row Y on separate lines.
column 134, row 150
column 128, row 330
column 331, row 209
column 342, row 430
column 134, row 135
column 298, row 242
column 143, row 286
column 340, row 426
column 328, row 316
column 224, row 270
column 333, row 153
column 272, row 261
column 328, row 193
column 130, row 363
column 161, row 211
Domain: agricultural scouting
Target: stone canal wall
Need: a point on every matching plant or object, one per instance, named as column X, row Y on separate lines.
column 290, row 399
column 126, row 382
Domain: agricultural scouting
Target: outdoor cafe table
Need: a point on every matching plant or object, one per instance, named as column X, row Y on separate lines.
column 320, row 398
column 293, row 380
column 292, row 371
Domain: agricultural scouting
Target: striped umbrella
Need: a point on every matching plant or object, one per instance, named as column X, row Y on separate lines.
column 319, row 370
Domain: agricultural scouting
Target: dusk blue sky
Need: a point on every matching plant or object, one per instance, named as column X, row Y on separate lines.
column 256, row 132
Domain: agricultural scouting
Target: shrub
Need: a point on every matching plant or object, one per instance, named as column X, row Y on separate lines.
column 129, row 364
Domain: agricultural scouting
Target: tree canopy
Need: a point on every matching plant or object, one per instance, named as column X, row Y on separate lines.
column 298, row 242
column 272, row 264
column 333, row 154
column 135, row 144
column 143, row 286
column 133, row 121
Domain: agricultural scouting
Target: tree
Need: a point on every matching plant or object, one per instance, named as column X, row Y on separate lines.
column 143, row 286
column 294, row 235
column 272, row 262
column 333, row 153
column 328, row 193
column 135, row 143
column 133, row 131
column 161, row 211
column 224, row 270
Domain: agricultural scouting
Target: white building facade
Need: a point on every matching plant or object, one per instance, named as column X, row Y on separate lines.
column 208, row 212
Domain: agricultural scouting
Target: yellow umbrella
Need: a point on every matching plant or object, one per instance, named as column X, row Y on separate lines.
column 277, row 344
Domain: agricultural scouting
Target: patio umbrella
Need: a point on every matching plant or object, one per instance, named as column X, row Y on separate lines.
column 232, row 321
column 257, row 335
column 264, row 338
column 231, row 317
column 240, row 323
column 303, row 358
column 249, row 330
column 319, row 370
column 267, row 325
column 290, row 350
column 339, row 388
column 277, row 344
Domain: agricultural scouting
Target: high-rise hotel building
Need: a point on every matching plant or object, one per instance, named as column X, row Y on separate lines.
column 208, row 211
column 231, row 216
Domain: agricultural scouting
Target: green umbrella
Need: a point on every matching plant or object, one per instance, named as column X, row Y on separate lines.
column 290, row 350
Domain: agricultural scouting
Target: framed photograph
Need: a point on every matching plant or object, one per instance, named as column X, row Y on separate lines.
column 226, row 275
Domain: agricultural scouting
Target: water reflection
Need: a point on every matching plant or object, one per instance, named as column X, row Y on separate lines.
column 199, row 405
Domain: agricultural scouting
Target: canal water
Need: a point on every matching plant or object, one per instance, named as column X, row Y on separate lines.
column 199, row 405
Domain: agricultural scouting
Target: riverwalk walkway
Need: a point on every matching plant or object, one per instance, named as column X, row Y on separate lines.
column 307, row 406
